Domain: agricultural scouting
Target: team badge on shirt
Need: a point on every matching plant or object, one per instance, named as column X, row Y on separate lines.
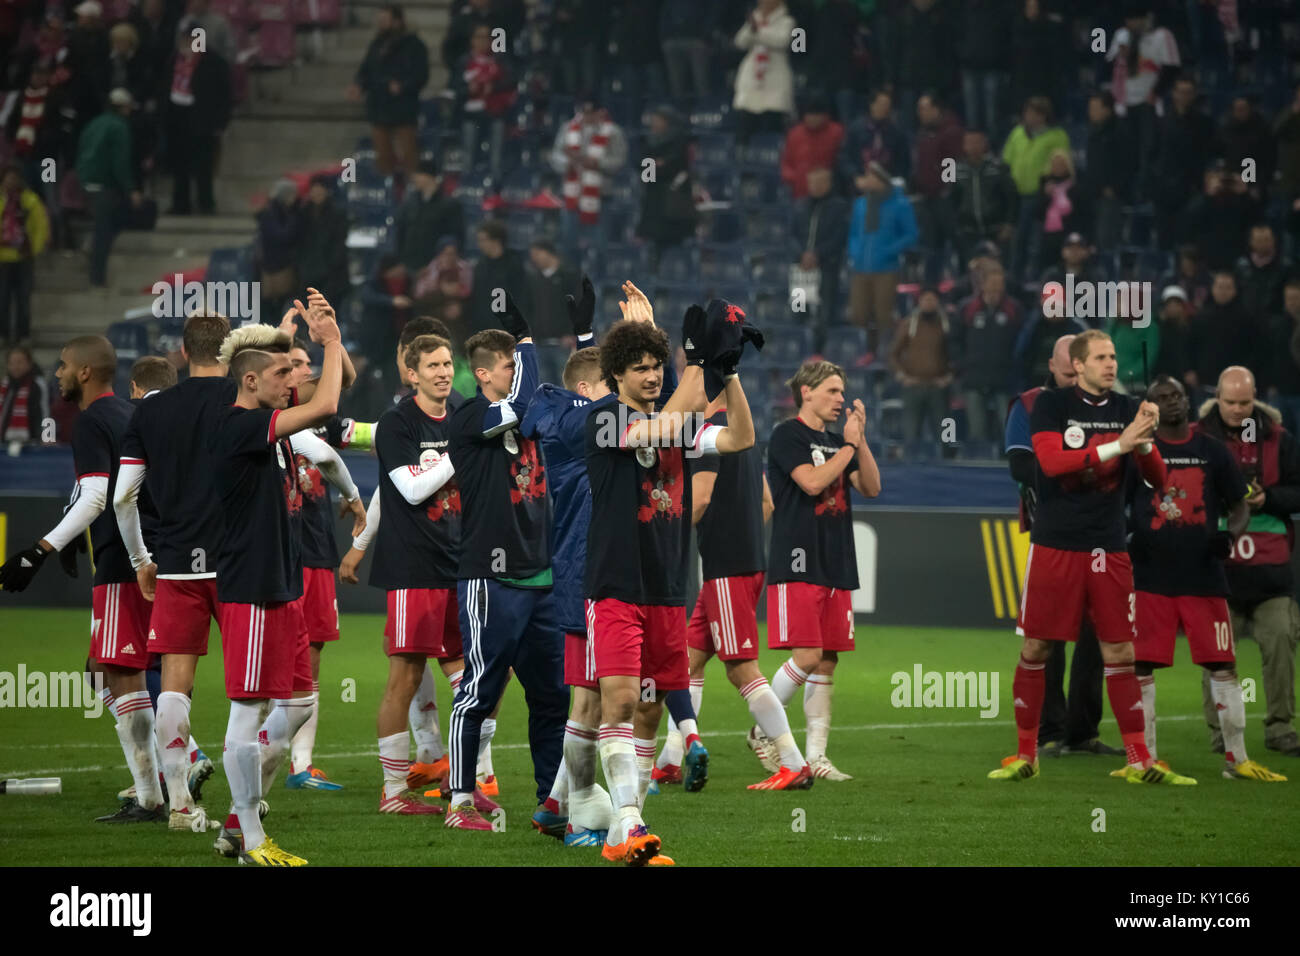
column 645, row 457
column 1074, row 437
column 818, row 457
column 428, row 458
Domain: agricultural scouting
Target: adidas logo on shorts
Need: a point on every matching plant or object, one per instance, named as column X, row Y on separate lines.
column 129, row 649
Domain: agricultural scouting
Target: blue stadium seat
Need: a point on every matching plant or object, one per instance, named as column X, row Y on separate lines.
column 762, row 151
column 230, row 265
column 618, row 222
column 710, row 113
column 130, row 340
column 767, row 225
column 845, row 344
column 520, row 184
column 719, row 182
column 619, row 262
column 712, row 150
column 760, row 186
column 786, row 345
column 677, row 265
column 724, row 225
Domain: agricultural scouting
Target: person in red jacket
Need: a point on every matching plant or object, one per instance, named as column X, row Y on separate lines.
column 812, row 143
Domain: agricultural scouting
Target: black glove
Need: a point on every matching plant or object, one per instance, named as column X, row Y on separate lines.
column 1221, row 545
column 582, row 311
column 513, row 321
column 694, row 333
column 19, row 570
column 727, row 334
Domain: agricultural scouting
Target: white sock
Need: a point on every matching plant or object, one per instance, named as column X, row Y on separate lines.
column 484, row 768
column 394, row 761
column 173, row 727
column 560, row 789
column 817, row 714
column 787, row 680
column 697, row 695
column 110, row 702
column 454, row 680
column 423, row 717
column 771, row 719
column 243, row 764
column 304, row 741
column 1225, row 688
column 645, row 762
column 1147, row 684
column 671, row 755
column 285, row 719
column 688, row 729
column 618, row 755
column 135, row 729
column 580, row 758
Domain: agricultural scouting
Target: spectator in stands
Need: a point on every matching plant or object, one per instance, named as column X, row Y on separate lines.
column 874, row 138
column 1028, row 153
column 1287, row 133
column 588, row 148
column 87, row 62
column 1042, row 55
column 155, row 26
column 550, row 279
column 835, row 62
column 984, row 256
column 1249, row 147
column 24, row 400
column 578, row 36
column 764, row 83
column 1176, row 355
column 1058, row 204
column 390, row 78
column 638, row 66
column 464, row 19
column 821, row 228
column 1191, row 276
column 881, row 228
column 129, row 70
column 1105, row 185
column 939, row 138
column 1226, row 334
column 684, row 30
column 920, row 52
column 1033, row 348
column 279, row 234
column 426, row 215
column 668, row 215
column 1146, row 62
column 983, row 201
column 1186, row 143
column 24, row 232
column 446, row 278
column 485, row 91
column 40, row 138
column 1076, row 260
column 106, row 173
column 498, row 268
column 322, row 260
column 1261, row 273
column 386, row 307
column 983, row 349
column 1131, row 333
column 218, row 36
column 198, row 109
column 812, row 143
column 1284, row 343
column 919, row 361
column 1219, row 219
column 982, row 52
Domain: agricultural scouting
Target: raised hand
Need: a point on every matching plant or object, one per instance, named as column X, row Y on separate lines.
column 637, row 307
column 853, row 425
column 695, row 328
column 513, row 321
column 582, row 311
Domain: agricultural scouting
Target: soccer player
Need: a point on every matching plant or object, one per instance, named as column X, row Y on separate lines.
column 317, row 462
column 1086, row 439
column 813, row 569
column 638, row 541
column 1178, row 554
column 724, row 621
column 119, row 612
column 1261, row 584
column 417, row 558
column 1069, row 725
column 507, row 611
column 259, row 564
column 165, row 450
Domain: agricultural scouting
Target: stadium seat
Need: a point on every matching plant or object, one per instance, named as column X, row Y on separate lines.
column 130, row 340
column 320, row 13
column 786, row 345
column 845, row 344
column 724, row 225
column 277, row 44
column 760, row 186
column 762, row 152
column 231, row 265
column 710, row 113
column 714, row 151
column 677, row 265
column 719, row 183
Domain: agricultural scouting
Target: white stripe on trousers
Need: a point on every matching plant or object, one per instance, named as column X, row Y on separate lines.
column 782, row 622
column 589, row 652
column 474, row 653
column 108, row 638
column 722, row 588
column 253, row 653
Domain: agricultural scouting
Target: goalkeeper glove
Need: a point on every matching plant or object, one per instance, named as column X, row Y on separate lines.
column 582, row 311
column 513, row 321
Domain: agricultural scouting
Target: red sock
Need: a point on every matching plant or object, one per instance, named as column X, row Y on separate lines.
column 552, row 805
column 1027, row 688
column 232, row 821
column 1126, row 703
column 689, row 740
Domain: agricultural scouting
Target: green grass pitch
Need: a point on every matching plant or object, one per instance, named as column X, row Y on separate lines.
column 919, row 794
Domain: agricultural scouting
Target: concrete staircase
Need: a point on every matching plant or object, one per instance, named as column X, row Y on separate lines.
column 295, row 118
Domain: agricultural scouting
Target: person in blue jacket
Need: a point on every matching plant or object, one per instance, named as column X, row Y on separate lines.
column 882, row 227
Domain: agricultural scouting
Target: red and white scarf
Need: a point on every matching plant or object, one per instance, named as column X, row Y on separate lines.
column 760, row 52
column 33, row 111
column 19, row 428
column 482, row 77
column 183, row 79
column 581, row 183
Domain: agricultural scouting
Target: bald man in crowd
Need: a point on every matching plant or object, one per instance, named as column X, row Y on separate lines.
column 1069, row 725
column 1260, row 582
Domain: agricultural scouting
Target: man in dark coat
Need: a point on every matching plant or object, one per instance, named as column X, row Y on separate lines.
column 425, row 216
column 498, row 268
column 323, row 245
column 195, row 115
column 390, row 78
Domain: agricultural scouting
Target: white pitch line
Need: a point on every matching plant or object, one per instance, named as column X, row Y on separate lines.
column 346, row 755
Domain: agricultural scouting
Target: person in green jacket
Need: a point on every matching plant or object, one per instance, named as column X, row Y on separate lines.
column 1028, row 154
column 1134, row 374
column 106, row 171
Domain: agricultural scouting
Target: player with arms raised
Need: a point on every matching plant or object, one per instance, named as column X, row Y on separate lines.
column 1086, row 439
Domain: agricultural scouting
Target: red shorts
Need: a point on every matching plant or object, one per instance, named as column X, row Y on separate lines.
column 579, row 665
column 302, row 679
column 119, row 625
column 263, row 646
column 423, row 621
column 809, row 615
column 1060, row 584
column 182, row 612
column 646, row 640
column 320, row 606
column 1205, row 621
column 725, row 619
